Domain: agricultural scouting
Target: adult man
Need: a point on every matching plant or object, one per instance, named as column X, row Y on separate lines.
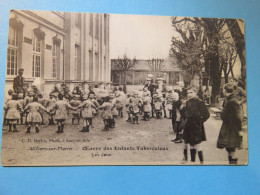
column 19, row 83
column 151, row 87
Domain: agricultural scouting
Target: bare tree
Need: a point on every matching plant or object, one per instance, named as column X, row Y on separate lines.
column 156, row 66
column 235, row 27
column 122, row 65
column 228, row 56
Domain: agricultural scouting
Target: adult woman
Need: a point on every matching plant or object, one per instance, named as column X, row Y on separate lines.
column 229, row 135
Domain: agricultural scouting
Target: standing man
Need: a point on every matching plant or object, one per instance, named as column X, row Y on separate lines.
column 19, row 83
column 151, row 88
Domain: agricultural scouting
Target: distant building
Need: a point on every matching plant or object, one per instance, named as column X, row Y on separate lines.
column 138, row 74
column 58, row 47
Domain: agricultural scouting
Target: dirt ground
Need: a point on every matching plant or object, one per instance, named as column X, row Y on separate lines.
column 148, row 143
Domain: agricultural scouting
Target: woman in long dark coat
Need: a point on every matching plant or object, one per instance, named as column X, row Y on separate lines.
column 196, row 113
column 229, row 135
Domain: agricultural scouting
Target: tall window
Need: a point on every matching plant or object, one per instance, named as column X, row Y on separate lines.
column 12, row 52
column 97, row 26
column 91, row 65
column 76, row 61
column 37, row 49
column 91, row 24
column 55, row 60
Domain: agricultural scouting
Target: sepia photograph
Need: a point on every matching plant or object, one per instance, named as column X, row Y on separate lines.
column 118, row 89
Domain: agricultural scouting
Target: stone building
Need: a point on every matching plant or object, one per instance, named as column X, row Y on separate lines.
column 56, row 47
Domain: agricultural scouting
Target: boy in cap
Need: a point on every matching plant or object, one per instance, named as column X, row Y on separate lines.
column 196, row 113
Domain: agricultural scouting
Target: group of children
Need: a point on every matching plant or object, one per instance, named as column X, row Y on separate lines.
column 33, row 107
column 144, row 104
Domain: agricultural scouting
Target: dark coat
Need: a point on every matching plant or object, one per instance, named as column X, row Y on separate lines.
column 196, row 113
column 19, row 84
column 175, row 105
column 232, row 123
column 151, row 88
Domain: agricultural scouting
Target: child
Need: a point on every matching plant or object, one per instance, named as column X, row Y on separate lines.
column 135, row 102
column 196, row 114
column 176, row 117
column 158, row 99
column 94, row 109
column 34, row 117
column 147, row 105
column 86, row 112
column 10, row 92
column 127, row 105
column 119, row 101
column 21, row 101
column 169, row 102
column 12, row 112
column 60, row 107
column 50, row 103
column 106, row 114
column 114, row 111
column 75, row 102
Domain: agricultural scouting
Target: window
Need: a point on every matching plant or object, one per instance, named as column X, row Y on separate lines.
column 97, row 26
column 97, row 66
column 77, row 19
column 91, row 24
column 55, row 60
column 76, row 66
column 12, row 51
column 37, row 49
column 91, row 64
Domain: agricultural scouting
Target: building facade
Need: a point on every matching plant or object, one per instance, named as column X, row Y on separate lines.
column 58, row 47
column 138, row 74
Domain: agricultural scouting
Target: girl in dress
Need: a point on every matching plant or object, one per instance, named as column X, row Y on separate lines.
column 113, row 110
column 50, row 102
column 34, row 117
column 86, row 112
column 10, row 93
column 147, row 105
column 13, row 109
column 106, row 114
column 158, row 99
column 94, row 110
column 75, row 102
column 60, row 107
column 135, row 103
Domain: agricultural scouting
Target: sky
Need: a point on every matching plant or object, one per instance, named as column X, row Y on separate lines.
column 143, row 37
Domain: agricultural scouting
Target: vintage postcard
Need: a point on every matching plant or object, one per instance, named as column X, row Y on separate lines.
column 111, row 89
